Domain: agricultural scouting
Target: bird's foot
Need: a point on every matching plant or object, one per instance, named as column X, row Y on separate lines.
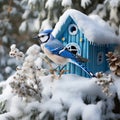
column 52, row 71
column 54, row 74
column 62, row 72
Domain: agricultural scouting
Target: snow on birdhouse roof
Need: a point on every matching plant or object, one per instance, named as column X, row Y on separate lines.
column 94, row 28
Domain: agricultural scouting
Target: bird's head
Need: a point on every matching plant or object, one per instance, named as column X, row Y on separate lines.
column 43, row 36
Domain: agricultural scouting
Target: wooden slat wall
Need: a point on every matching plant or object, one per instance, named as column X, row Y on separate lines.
column 88, row 50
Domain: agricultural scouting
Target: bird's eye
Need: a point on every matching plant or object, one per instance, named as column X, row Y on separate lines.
column 44, row 38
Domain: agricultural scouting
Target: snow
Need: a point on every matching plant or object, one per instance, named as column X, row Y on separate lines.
column 113, row 15
column 15, row 108
column 113, row 3
column 32, row 2
column 94, row 28
column 38, row 63
column 67, row 93
column 49, row 4
column 6, row 94
column 36, row 24
column 92, row 112
column 69, row 97
column 100, row 10
column 5, row 39
column 71, row 90
column 31, row 25
column 85, row 3
column 13, row 46
column 33, row 50
column 23, row 27
column 26, row 14
column 46, row 24
column 66, row 3
column 8, row 69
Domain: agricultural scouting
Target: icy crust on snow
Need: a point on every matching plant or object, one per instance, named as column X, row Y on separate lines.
column 94, row 28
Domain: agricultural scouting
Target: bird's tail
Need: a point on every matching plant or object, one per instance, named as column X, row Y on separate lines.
column 84, row 69
column 81, row 59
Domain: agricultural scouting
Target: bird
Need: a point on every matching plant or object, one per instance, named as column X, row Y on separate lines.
column 58, row 53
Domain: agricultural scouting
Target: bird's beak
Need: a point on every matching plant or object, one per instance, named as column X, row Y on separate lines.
column 36, row 38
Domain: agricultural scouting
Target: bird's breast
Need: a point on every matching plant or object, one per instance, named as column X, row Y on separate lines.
column 55, row 58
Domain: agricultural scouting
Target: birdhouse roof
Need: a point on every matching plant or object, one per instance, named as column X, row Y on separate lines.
column 94, row 28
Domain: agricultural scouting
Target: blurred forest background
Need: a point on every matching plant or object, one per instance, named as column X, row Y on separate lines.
column 20, row 20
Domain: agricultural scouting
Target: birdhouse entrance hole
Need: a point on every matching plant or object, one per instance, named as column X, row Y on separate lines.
column 73, row 29
column 100, row 58
column 74, row 48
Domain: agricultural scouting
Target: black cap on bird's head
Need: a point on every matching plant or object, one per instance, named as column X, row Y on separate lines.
column 43, row 36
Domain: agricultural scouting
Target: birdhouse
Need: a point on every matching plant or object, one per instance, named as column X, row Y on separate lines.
column 89, row 36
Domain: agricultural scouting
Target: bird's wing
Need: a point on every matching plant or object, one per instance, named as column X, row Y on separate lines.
column 67, row 54
column 56, row 47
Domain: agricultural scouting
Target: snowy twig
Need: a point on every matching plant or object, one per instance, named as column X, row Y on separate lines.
column 16, row 53
column 104, row 81
column 26, row 80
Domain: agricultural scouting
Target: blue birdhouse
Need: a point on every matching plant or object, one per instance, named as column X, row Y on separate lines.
column 88, row 36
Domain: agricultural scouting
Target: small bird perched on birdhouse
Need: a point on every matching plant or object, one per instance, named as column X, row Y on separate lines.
column 58, row 53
